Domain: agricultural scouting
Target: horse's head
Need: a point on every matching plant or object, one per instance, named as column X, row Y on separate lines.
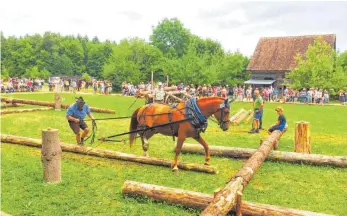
column 222, row 115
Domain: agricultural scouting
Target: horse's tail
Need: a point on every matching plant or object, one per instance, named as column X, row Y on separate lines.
column 133, row 126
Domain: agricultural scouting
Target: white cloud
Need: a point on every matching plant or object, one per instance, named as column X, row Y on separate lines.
column 236, row 25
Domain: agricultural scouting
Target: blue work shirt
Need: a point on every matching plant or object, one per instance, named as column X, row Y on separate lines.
column 76, row 113
column 283, row 121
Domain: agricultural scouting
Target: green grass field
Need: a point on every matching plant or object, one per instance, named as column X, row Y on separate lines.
column 92, row 186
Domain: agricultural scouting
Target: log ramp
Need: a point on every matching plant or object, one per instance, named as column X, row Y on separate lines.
column 198, row 200
column 234, row 117
column 50, row 104
column 24, row 110
column 279, row 156
column 104, row 153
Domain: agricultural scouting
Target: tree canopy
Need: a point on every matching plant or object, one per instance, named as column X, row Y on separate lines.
column 321, row 66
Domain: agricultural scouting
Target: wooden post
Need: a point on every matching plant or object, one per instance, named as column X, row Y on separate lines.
column 57, row 102
column 302, row 138
column 152, row 77
column 51, row 156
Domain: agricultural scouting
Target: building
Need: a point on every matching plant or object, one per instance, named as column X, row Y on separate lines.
column 274, row 57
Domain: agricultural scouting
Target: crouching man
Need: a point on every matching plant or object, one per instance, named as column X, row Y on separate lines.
column 75, row 115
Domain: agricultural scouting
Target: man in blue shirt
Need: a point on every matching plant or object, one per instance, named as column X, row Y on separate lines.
column 281, row 124
column 75, row 115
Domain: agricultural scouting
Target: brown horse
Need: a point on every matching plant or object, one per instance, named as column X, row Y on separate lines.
column 157, row 114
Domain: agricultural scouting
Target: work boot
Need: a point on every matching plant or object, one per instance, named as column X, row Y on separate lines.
column 256, row 131
column 251, row 131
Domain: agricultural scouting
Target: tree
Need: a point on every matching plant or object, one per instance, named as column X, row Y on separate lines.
column 86, row 77
column 318, row 68
column 170, row 33
column 232, row 69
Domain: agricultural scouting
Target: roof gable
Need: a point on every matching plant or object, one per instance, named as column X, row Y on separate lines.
column 278, row 53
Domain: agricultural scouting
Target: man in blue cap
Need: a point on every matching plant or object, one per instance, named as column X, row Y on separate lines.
column 75, row 115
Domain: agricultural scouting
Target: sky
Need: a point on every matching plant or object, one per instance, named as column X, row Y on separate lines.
column 236, row 25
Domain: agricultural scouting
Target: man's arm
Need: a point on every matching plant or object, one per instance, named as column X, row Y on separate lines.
column 70, row 118
column 91, row 116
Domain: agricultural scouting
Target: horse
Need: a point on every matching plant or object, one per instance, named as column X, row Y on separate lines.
column 198, row 109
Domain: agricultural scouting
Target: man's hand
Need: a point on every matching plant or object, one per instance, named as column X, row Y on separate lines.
column 77, row 121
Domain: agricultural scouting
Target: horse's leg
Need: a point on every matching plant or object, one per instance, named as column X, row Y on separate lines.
column 205, row 145
column 180, row 141
column 145, row 144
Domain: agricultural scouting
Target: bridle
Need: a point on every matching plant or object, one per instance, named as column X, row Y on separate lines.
column 224, row 109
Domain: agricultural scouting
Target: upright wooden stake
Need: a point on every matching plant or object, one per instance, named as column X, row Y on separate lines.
column 51, row 156
column 302, row 138
column 57, row 102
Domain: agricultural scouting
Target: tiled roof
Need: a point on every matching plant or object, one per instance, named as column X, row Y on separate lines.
column 278, row 53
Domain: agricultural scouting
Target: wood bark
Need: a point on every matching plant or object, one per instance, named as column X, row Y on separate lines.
column 51, row 156
column 241, row 117
column 279, row 156
column 200, row 200
column 4, row 214
column 172, row 88
column 302, row 138
column 249, row 117
column 10, row 105
column 176, row 98
column 225, row 200
column 57, row 102
column 232, row 118
column 24, row 110
column 110, row 154
column 50, row 104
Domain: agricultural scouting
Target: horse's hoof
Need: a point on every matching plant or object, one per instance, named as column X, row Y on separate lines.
column 207, row 163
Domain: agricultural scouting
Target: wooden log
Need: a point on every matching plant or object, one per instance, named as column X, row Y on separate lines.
column 238, row 204
column 302, row 138
column 50, row 104
column 249, row 117
column 10, row 105
column 4, row 214
column 57, row 102
column 198, row 200
column 278, row 156
column 24, row 110
column 171, row 88
column 225, row 200
column 232, row 118
column 51, row 156
column 176, row 98
column 241, row 117
column 104, row 153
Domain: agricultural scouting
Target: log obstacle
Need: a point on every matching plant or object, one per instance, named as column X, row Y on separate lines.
column 10, row 105
column 241, row 117
column 175, row 97
column 302, row 140
column 232, row 118
column 104, row 153
column 4, row 214
column 51, row 156
column 225, row 199
column 50, row 104
column 198, row 200
column 249, row 117
column 278, row 156
column 24, row 110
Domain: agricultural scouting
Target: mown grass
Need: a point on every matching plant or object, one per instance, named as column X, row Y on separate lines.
column 92, row 186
